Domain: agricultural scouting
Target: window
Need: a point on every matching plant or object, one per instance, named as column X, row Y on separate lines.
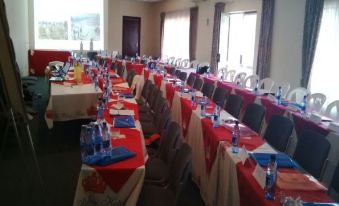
column 325, row 70
column 175, row 41
column 63, row 24
column 237, row 41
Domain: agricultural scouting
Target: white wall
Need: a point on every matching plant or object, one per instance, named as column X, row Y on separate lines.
column 287, row 41
column 17, row 16
column 119, row 8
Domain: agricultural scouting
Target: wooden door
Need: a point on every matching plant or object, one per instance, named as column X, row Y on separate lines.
column 131, row 36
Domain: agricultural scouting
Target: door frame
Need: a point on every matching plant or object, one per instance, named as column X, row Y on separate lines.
column 123, row 33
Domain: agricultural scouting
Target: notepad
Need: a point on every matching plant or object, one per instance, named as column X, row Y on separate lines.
column 121, row 112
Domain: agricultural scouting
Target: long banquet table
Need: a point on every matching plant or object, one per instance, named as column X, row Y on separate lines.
column 221, row 178
column 118, row 183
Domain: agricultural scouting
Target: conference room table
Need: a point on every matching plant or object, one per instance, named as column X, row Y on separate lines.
column 65, row 96
column 220, row 175
column 119, row 183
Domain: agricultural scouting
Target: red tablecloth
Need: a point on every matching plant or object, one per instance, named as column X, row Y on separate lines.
column 271, row 108
column 138, row 68
column 247, row 96
column 211, row 79
column 301, row 123
column 212, row 137
column 170, row 93
column 146, row 74
column 252, row 194
column 127, row 106
column 186, row 112
column 157, row 80
column 168, row 69
column 115, row 175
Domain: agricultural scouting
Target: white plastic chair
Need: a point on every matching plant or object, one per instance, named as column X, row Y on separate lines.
column 171, row 60
column 229, row 75
column 332, row 110
column 316, row 102
column 185, row 63
column 266, row 84
column 177, row 62
column 241, row 76
column 222, row 71
column 297, row 94
column 250, row 81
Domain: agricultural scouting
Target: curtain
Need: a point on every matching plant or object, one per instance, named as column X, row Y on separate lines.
column 193, row 32
column 176, row 34
column 219, row 8
column 325, row 72
column 265, row 39
column 162, row 20
column 313, row 13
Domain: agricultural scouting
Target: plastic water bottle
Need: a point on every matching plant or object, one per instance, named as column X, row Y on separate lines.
column 216, row 110
column 256, row 88
column 100, row 110
column 106, row 138
column 96, row 83
column 238, row 80
column 271, row 178
column 193, row 98
column 278, row 95
column 97, row 139
column 83, row 134
column 304, row 105
column 216, row 120
column 89, row 145
column 235, row 137
column 202, row 111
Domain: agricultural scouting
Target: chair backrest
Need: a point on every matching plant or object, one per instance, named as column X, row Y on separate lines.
column 234, row 104
column 151, row 94
column 120, row 70
column 185, row 63
column 297, row 94
column 130, row 76
column 177, row 72
column 229, row 75
column 332, row 110
column 190, row 79
column 219, row 96
column 172, row 70
column 171, row 60
column 178, row 62
column 160, row 105
column 253, row 116
column 285, row 88
column 197, row 84
column 278, row 132
column 311, row 152
column 145, row 88
column 183, row 76
column 335, row 180
column 157, row 94
column 168, row 144
column 250, row 81
column 180, row 169
column 164, row 118
column 207, row 89
column 266, row 84
column 222, row 71
column 241, row 77
column 316, row 102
